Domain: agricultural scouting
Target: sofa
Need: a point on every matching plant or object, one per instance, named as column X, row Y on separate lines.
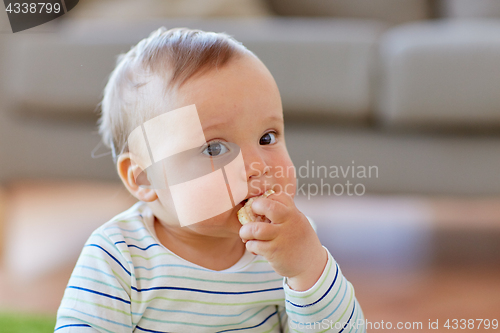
column 414, row 94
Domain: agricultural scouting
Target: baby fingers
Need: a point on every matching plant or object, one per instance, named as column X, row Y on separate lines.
column 258, row 231
column 263, row 248
column 272, row 209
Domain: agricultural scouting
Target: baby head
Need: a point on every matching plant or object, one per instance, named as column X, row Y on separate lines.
column 236, row 100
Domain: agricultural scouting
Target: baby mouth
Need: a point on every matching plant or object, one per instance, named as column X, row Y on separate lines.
column 246, row 215
column 244, row 201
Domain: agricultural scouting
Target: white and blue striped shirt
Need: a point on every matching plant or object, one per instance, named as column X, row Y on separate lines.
column 126, row 281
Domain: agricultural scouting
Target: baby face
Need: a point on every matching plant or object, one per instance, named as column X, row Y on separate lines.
column 239, row 104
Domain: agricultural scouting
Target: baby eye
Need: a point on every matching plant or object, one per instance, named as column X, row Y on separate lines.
column 268, row 138
column 215, row 149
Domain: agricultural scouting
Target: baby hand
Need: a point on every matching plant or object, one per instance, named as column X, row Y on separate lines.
column 289, row 242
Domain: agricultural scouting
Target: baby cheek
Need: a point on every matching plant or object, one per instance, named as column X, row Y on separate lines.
column 285, row 177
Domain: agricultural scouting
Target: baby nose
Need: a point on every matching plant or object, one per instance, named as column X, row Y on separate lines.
column 255, row 163
column 258, row 169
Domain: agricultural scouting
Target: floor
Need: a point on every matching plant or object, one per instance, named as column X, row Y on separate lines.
column 438, row 294
column 411, row 259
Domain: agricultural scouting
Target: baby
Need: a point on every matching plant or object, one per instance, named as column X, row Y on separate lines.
column 180, row 260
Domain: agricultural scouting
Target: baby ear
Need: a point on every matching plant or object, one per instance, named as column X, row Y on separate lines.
column 134, row 179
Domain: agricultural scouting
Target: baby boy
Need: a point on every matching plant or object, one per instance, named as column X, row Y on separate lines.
column 180, row 106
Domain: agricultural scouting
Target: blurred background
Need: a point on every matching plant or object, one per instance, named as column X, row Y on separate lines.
column 406, row 89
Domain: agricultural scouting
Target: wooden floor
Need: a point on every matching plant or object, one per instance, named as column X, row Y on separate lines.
column 437, row 294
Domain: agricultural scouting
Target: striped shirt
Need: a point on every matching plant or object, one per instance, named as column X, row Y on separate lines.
column 126, row 281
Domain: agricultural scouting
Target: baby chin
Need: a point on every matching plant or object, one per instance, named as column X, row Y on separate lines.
column 225, row 224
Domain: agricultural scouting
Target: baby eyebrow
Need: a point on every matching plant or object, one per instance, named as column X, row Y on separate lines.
column 218, row 125
column 275, row 118
column 214, row 126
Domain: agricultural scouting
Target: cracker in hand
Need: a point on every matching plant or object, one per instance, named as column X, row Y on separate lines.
column 246, row 215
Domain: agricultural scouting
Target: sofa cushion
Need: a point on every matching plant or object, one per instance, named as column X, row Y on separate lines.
column 469, row 9
column 443, row 73
column 392, row 11
column 130, row 10
column 321, row 66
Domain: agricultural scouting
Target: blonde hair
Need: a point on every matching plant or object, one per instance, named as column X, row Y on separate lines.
column 177, row 54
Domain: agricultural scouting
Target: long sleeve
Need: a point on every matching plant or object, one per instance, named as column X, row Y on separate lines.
column 328, row 306
column 97, row 298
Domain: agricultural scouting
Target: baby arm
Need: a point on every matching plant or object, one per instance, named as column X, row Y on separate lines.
column 315, row 289
column 97, row 298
